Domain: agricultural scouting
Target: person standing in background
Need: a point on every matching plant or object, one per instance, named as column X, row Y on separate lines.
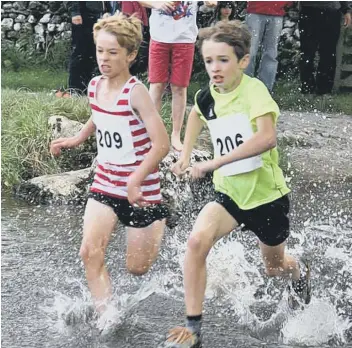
column 319, row 28
column 129, row 8
column 224, row 11
column 265, row 20
column 82, row 61
column 173, row 31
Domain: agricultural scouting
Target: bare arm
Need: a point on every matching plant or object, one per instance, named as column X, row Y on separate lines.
column 194, row 127
column 87, row 130
column 57, row 144
column 167, row 6
column 262, row 140
column 143, row 105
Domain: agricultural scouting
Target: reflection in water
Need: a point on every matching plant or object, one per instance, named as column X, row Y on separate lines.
column 45, row 298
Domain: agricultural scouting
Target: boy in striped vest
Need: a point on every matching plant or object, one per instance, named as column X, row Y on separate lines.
column 131, row 141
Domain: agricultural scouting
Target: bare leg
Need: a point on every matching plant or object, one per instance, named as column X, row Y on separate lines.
column 143, row 247
column 156, row 91
column 179, row 100
column 278, row 263
column 213, row 223
column 99, row 222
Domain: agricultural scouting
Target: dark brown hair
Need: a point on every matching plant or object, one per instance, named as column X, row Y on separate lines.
column 234, row 33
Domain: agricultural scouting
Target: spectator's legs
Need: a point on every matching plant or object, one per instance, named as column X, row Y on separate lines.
column 181, row 70
column 159, row 58
column 256, row 24
column 77, row 50
column 83, row 61
column 328, row 38
column 268, row 64
column 309, row 27
column 179, row 100
column 90, row 61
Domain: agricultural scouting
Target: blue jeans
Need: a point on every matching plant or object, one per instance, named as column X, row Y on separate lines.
column 266, row 32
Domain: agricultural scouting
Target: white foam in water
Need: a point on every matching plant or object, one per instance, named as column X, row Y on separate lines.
column 63, row 311
column 315, row 325
column 232, row 278
column 120, row 307
column 234, row 275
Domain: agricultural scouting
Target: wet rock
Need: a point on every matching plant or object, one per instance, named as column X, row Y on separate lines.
column 58, row 188
column 13, row 34
column 74, row 185
column 51, row 27
column 55, row 19
column 45, row 19
column 20, row 5
column 6, row 24
column 62, row 127
column 63, row 26
column 31, row 19
column 7, row 6
column 20, row 18
column 39, row 29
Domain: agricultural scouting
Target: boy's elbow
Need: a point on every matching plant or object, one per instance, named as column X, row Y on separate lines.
column 272, row 141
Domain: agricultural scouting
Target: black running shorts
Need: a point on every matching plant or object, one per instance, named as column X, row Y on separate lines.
column 269, row 222
column 132, row 216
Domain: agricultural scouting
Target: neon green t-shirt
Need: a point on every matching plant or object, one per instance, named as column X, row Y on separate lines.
column 251, row 98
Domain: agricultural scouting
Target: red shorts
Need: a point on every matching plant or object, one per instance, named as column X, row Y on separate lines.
column 174, row 60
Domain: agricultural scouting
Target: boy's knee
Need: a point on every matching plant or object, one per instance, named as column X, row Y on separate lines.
column 199, row 246
column 178, row 90
column 91, row 254
column 138, row 269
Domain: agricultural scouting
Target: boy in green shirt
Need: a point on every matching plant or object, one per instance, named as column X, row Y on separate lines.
column 250, row 186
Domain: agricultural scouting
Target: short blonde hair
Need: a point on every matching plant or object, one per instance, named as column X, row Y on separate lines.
column 128, row 30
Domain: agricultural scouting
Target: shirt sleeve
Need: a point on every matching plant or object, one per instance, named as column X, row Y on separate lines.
column 260, row 101
column 196, row 107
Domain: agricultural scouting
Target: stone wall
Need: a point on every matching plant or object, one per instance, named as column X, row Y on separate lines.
column 44, row 21
column 49, row 21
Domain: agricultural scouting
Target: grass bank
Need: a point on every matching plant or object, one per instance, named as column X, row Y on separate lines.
column 25, row 135
column 286, row 93
column 27, row 104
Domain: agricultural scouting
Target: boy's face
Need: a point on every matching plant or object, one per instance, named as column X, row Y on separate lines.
column 223, row 67
column 111, row 57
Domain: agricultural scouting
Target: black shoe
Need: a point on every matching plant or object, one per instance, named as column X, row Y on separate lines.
column 302, row 288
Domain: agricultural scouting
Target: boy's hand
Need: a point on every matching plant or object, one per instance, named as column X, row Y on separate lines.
column 347, row 20
column 166, row 6
column 199, row 170
column 77, row 20
column 134, row 193
column 180, row 167
column 62, row 143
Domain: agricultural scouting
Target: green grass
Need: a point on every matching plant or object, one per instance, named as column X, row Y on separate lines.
column 34, row 80
column 25, row 135
column 288, row 97
column 27, row 104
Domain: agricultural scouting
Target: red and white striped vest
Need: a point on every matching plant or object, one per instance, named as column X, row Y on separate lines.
column 123, row 143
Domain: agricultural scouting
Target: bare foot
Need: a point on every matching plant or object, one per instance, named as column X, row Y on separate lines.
column 176, row 143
